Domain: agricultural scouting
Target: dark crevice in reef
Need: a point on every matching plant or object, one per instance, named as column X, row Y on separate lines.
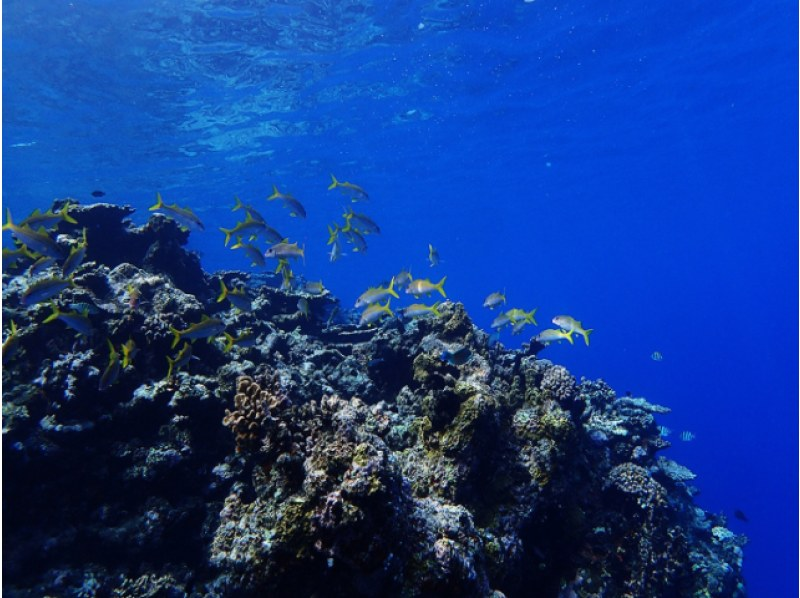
column 312, row 456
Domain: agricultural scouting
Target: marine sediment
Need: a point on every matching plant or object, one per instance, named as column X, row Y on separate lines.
column 303, row 454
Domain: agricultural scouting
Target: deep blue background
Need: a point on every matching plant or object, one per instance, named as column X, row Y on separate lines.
column 632, row 165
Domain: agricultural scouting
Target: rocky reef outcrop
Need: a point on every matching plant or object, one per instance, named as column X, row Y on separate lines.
column 304, row 455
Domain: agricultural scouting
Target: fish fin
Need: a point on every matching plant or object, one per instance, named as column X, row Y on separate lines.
column 9, row 225
column 67, row 218
column 275, row 193
column 159, row 203
column 585, row 334
column 391, row 290
column 54, row 315
column 228, row 232
column 569, row 337
column 334, row 183
column 177, row 338
column 239, row 205
column 440, row 286
column 223, row 292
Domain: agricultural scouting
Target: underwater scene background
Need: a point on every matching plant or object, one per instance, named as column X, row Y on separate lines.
column 632, row 165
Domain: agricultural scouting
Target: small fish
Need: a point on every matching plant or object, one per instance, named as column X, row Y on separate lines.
column 238, row 297
column 251, row 251
column 336, row 251
column 247, row 338
column 740, row 516
column 14, row 257
column 364, row 223
column 551, row 335
column 84, row 307
column 687, row 436
column 374, row 312
column 45, row 289
column 295, row 207
column 403, row 278
column 98, row 193
column 664, row 431
column 183, row 216
column 420, row 309
column 302, row 307
column 517, row 326
column 423, row 286
column 457, row 357
column 49, row 218
column 572, row 325
column 433, row 255
column 495, row 299
column 356, row 239
column 355, row 192
column 129, row 351
column 205, row 328
column 314, row 288
column 111, row 373
column 11, row 342
column 79, row 322
column 180, row 360
column 500, row 321
column 284, row 249
column 520, row 315
column 250, row 210
column 35, row 240
column 656, row 356
column 375, row 294
column 133, row 296
column 253, row 228
column 75, row 257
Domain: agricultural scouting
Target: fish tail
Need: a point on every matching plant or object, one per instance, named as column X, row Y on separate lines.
column 223, row 292
column 434, row 309
column 67, row 218
column 9, row 225
column 229, row 340
column 228, row 232
column 585, row 334
column 171, row 364
column 53, row 316
column 440, row 286
column 529, row 317
column 391, row 290
column 177, row 338
column 334, row 183
column 275, row 193
column 569, row 337
column 239, row 205
column 159, row 203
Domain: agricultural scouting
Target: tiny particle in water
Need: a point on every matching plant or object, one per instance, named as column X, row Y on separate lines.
column 98, row 193
column 740, row 515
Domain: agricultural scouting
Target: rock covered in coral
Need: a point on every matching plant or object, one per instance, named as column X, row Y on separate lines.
column 310, row 456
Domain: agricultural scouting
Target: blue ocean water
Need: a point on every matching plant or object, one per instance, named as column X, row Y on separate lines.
column 633, row 165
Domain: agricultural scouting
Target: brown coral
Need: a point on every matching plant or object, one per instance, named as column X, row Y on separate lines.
column 252, row 406
column 636, row 481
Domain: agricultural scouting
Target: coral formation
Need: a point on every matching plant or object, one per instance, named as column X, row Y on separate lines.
column 320, row 457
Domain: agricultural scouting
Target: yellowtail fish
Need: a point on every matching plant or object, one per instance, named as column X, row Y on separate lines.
column 495, row 299
column 303, row 307
column 420, row 309
column 247, row 338
column 14, row 257
column 45, row 289
column 423, row 286
column 249, row 210
column 253, row 228
column 520, row 315
column 572, row 325
column 75, row 257
column 129, row 351
column 111, row 373
column 501, row 321
column 314, row 288
column 403, row 278
column 180, row 360
column 79, row 322
column 35, row 240
column 333, row 233
column 433, row 255
column 375, row 312
column 238, row 297
column 687, row 436
column 355, row 192
column 356, row 239
column 205, row 328
column 183, row 216
column 285, row 250
column 252, row 252
column 375, row 294
column 48, row 218
column 11, row 342
column 295, row 207
column 40, row 265
column 364, row 224
column 552, row 335
column 656, row 356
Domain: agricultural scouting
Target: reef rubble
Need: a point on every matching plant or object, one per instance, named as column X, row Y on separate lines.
column 320, row 458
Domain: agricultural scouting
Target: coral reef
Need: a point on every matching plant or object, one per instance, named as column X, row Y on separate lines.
column 319, row 457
